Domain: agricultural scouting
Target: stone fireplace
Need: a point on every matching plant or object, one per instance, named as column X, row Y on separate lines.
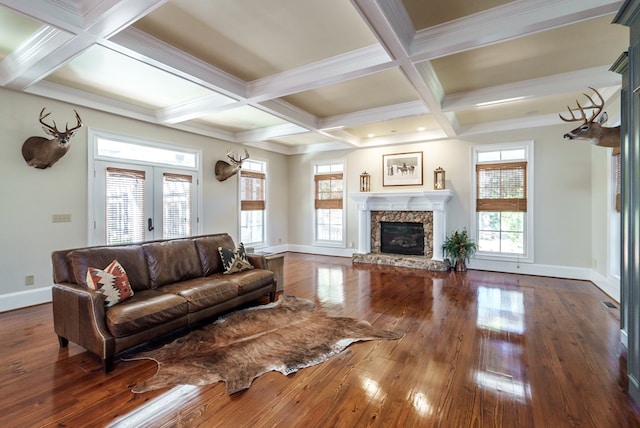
column 424, row 209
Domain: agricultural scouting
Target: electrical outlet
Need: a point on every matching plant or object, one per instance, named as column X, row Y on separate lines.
column 29, row 280
column 61, row 218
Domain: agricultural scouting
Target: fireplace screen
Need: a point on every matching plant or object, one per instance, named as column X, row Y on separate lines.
column 402, row 238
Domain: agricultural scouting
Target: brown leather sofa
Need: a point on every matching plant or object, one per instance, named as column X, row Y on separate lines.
column 177, row 283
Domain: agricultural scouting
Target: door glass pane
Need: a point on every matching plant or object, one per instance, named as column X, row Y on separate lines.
column 124, row 205
column 176, row 197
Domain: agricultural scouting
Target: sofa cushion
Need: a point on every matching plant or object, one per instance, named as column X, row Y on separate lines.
column 145, row 310
column 251, row 280
column 207, row 247
column 131, row 257
column 172, row 261
column 204, row 292
column 112, row 282
column 234, row 260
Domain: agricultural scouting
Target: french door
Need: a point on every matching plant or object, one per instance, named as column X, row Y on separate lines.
column 134, row 203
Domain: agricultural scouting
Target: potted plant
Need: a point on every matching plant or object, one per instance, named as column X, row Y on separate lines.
column 459, row 248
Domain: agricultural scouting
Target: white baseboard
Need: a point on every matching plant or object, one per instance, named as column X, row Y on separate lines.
column 611, row 286
column 22, row 299
column 324, row 251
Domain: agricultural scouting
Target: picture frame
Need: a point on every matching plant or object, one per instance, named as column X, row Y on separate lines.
column 402, row 169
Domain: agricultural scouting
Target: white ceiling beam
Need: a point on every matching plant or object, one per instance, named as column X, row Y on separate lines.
column 513, row 20
column 398, row 111
column 149, row 50
column 383, row 19
column 193, row 109
column 33, row 51
column 262, row 134
column 358, row 63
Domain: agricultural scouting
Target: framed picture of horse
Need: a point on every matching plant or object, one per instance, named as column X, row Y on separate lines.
column 402, row 169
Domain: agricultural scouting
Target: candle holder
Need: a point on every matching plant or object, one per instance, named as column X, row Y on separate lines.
column 438, row 179
column 365, row 182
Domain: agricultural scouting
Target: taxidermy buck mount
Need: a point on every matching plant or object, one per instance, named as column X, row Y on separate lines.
column 225, row 170
column 590, row 129
column 41, row 152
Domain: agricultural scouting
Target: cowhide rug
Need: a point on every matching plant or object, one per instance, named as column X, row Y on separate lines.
column 284, row 336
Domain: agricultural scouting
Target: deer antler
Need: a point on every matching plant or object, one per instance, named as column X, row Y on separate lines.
column 583, row 115
column 232, row 157
column 78, row 125
column 43, row 116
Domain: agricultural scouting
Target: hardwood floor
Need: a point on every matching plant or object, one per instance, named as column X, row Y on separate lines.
column 480, row 349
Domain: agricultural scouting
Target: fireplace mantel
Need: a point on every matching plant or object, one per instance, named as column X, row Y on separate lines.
column 431, row 200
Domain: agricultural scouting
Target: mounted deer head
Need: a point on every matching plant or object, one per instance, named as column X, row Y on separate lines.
column 225, row 170
column 590, row 129
column 40, row 152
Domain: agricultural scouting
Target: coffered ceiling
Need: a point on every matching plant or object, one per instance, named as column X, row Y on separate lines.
column 295, row 76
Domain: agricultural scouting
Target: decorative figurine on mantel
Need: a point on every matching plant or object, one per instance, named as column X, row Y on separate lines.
column 438, row 179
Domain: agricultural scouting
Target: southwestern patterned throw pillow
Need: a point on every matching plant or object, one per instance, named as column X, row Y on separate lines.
column 234, row 260
column 112, row 282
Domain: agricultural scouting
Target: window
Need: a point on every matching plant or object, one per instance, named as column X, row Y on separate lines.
column 125, row 205
column 176, row 194
column 502, row 206
column 252, row 202
column 141, row 190
column 329, row 195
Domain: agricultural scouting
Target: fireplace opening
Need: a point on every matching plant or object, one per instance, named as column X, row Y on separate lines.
column 402, row 238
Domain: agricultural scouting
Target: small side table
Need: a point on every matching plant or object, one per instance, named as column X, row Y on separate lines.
column 275, row 263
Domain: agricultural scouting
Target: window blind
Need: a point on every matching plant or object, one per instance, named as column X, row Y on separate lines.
column 124, row 205
column 252, row 191
column 501, row 187
column 328, row 191
column 176, row 207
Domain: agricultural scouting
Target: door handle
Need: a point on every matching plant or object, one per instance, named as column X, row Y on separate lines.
column 150, row 224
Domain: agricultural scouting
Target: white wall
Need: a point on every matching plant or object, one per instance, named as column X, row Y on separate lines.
column 30, row 196
column 570, row 198
column 566, row 211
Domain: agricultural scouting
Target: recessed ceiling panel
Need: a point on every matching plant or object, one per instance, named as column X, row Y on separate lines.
column 15, row 29
column 102, row 71
column 394, row 127
column 527, row 108
column 551, row 52
column 254, row 39
column 425, row 14
column 242, row 119
column 376, row 90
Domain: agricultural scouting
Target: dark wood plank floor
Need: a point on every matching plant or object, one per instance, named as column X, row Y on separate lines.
column 480, row 349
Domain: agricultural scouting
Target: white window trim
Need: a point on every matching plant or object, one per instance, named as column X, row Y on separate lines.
column 324, row 243
column 528, row 257
column 92, row 156
column 262, row 244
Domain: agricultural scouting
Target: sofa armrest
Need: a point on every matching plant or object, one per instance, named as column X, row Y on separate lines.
column 79, row 316
column 257, row 261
